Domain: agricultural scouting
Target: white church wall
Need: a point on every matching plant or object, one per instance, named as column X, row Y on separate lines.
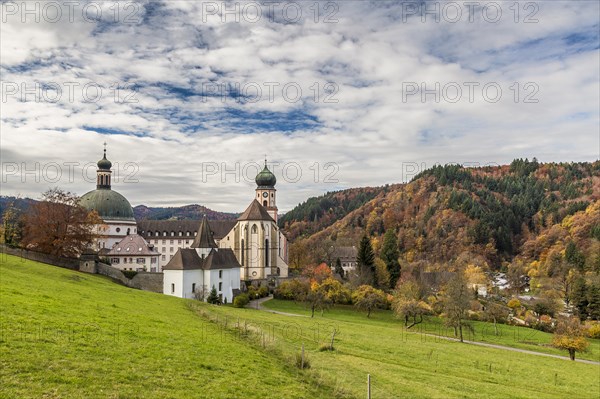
column 172, row 283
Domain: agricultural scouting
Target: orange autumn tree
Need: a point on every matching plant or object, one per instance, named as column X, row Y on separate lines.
column 318, row 273
column 58, row 225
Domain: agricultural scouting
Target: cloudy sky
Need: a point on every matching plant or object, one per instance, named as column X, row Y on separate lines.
column 190, row 96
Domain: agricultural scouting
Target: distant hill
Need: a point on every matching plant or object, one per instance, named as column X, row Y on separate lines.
column 483, row 215
column 19, row 203
column 141, row 212
column 193, row 212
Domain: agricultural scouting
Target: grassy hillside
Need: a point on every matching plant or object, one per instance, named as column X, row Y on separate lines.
column 72, row 335
column 412, row 365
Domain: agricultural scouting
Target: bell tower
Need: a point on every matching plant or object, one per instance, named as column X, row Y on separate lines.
column 103, row 173
column 266, row 194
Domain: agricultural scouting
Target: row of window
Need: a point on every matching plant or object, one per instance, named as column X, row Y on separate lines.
column 115, row 261
column 179, row 242
column 166, row 233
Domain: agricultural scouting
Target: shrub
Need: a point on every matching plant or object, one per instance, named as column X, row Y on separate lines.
column 241, row 300
column 293, row 290
column 298, row 361
column 325, row 347
column 263, row 292
column 514, row 304
column 129, row 273
column 593, row 330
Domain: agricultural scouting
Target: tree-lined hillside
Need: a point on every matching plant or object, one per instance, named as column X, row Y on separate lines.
column 317, row 213
column 191, row 212
column 484, row 215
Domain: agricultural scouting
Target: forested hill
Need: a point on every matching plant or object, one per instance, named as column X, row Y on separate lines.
column 317, row 213
column 451, row 212
column 192, row 212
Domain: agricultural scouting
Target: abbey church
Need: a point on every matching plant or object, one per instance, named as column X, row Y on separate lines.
column 192, row 255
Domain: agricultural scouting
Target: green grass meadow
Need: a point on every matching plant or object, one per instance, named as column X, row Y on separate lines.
column 66, row 334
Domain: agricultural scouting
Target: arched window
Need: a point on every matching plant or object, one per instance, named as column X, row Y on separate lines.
column 265, row 203
column 254, row 229
column 267, row 252
column 243, row 252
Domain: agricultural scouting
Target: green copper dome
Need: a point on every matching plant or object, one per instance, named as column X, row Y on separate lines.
column 104, row 163
column 265, row 178
column 109, row 204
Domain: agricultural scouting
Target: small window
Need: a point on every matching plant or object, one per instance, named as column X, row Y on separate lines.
column 193, row 287
column 220, row 286
column 172, row 241
column 115, row 260
column 172, row 288
column 220, row 273
column 118, row 229
column 163, row 257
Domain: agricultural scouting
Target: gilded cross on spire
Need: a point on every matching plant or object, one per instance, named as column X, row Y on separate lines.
column 265, row 160
column 105, row 148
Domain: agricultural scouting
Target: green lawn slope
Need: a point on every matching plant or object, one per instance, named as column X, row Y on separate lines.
column 409, row 365
column 66, row 334
column 71, row 335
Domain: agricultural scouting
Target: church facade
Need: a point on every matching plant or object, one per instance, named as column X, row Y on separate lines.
column 254, row 239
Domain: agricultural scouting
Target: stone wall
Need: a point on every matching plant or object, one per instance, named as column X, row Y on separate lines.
column 147, row 282
column 89, row 264
column 142, row 280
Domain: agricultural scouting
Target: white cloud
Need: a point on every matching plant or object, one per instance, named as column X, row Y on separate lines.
column 171, row 51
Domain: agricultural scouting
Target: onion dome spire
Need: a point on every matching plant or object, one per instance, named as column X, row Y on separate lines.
column 265, row 178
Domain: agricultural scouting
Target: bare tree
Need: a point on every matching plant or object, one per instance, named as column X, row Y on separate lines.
column 457, row 298
column 58, row 225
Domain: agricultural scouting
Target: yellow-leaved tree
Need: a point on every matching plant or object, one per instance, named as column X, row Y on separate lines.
column 569, row 336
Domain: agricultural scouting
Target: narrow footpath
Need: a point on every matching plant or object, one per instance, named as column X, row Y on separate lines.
column 257, row 304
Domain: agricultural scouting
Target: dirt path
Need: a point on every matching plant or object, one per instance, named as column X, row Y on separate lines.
column 509, row 348
column 257, row 304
